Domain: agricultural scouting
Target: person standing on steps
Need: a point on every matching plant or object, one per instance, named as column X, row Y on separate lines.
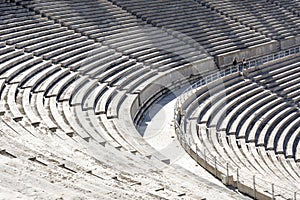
column 244, row 62
column 234, row 62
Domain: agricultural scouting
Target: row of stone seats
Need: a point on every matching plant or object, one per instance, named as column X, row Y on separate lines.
column 103, row 105
column 31, row 95
column 193, row 20
column 42, row 103
column 254, row 134
column 26, row 149
column 282, row 81
column 39, row 85
column 120, row 31
column 262, row 16
column 211, row 112
column 45, row 38
column 57, row 105
column 293, row 6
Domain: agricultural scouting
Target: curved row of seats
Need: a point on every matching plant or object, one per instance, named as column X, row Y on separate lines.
column 272, row 20
column 195, row 21
column 292, row 6
column 107, row 61
column 61, row 90
column 75, row 77
column 120, row 31
column 284, row 82
column 245, row 121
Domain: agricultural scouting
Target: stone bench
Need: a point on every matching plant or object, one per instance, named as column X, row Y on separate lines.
column 92, row 97
column 263, row 73
column 224, row 157
column 207, row 92
column 239, row 162
column 215, row 94
column 26, row 104
column 273, row 127
column 131, row 135
column 220, row 109
column 114, row 105
column 172, row 65
column 286, row 135
column 104, row 100
column 290, row 88
column 68, row 93
column 270, row 163
column 108, row 124
column 293, row 92
column 92, row 26
column 270, row 106
column 253, row 108
column 100, row 64
column 43, row 111
column 65, row 52
column 59, row 119
column 92, row 56
column 241, row 104
column 278, row 73
column 126, row 69
column 81, row 118
column 73, row 123
column 50, row 81
column 27, row 36
column 140, row 40
column 119, row 36
column 41, row 71
column 67, row 38
column 290, row 144
column 112, row 68
column 118, row 27
column 19, row 69
column 60, row 86
column 260, row 160
column 19, row 15
column 284, row 167
column 128, row 38
column 193, row 129
column 130, row 87
column 2, row 94
column 277, row 137
column 7, row 30
column 123, row 81
column 145, row 53
column 234, row 144
column 98, row 125
column 293, row 175
column 250, row 158
column 2, row 45
column 220, row 99
column 161, row 60
column 281, row 78
column 261, row 121
column 27, row 73
column 100, row 35
column 11, row 57
column 19, row 23
column 12, row 102
column 79, row 96
column 94, row 12
column 210, row 150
